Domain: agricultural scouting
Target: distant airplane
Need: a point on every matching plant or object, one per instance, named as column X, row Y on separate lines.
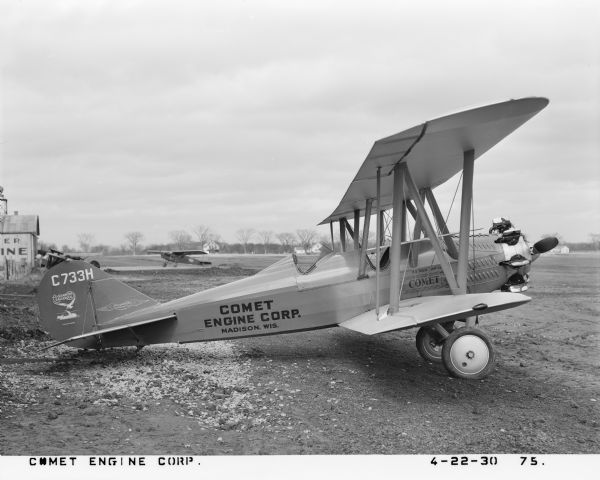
column 50, row 257
column 442, row 284
column 181, row 256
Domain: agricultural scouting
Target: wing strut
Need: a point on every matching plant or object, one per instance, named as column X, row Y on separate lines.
column 342, row 234
column 348, row 227
column 381, row 235
column 398, row 222
column 362, row 268
column 450, row 245
column 428, row 227
column 379, row 242
column 465, row 219
column 465, row 222
column 355, row 237
column 402, row 180
column 331, row 231
column 413, row 257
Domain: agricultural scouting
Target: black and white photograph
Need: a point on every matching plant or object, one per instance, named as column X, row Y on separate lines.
column 360, row 233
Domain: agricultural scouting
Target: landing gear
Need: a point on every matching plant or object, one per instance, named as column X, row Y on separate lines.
column 429, row 342
column 468, row 353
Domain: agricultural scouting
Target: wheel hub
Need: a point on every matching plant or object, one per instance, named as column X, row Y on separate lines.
column 469, row 354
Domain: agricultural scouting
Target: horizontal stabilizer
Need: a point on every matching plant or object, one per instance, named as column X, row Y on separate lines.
column 116, row 328
column 437, row 308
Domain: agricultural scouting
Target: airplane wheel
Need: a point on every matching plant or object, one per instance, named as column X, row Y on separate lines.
column 95, row 263
column 429, row 342
column 468, row 353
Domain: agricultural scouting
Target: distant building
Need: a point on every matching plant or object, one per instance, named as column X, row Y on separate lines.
column 560, row 250
column 316, row 248
column 18, row 245
column 211, row 247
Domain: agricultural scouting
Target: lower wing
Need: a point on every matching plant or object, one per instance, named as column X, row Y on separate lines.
column 433, row 309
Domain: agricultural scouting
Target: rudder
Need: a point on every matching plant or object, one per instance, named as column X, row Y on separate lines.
column 75, row 298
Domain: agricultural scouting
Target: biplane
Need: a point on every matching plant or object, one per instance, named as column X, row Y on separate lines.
column 439, row 282
column 181, row 256
column 52, row 256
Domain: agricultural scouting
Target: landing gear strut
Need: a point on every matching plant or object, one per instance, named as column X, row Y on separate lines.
column 465, row 352
column 429, row 342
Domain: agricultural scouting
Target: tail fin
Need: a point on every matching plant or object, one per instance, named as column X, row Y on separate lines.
column 76, row 298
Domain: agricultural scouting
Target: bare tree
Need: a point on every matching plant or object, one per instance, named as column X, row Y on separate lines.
column 203, row 233
column 265, row 236
column 134, row 239
column 180, row 238
column 86, row 241
column 306, row 238
column 287, row 240
column 244, row 235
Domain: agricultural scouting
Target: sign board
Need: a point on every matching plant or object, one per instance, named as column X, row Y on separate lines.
column 17, row 254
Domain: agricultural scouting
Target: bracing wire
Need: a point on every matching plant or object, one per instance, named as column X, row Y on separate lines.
column 473, row 227
column 451, row 205
column 454, row 197
column 410, row 246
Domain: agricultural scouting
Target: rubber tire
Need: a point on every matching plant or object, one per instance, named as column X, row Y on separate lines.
column 423, row 340
column 424, row 335
column 95, row 263
column 447, row 351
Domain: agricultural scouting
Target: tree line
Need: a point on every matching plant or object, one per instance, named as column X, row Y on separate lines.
column 200, row 237
column 249, row 241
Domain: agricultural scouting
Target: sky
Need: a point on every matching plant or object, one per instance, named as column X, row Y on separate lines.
column 154, row 116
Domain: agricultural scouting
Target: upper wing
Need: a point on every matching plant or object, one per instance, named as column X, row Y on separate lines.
column 436, row 308
column 434, row 150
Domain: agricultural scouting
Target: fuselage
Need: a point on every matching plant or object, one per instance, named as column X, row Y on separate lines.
column 281, row 299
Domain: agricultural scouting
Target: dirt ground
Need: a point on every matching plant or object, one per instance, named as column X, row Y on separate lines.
column 323, row 392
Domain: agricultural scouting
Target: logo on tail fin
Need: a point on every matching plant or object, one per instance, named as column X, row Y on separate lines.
column 126, row 305
column 66, row 300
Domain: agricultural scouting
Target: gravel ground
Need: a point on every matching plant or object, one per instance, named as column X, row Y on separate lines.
column 322, row 392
